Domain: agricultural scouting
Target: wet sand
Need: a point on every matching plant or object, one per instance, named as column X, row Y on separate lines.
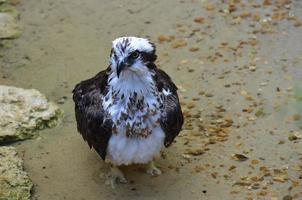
column 238, row 69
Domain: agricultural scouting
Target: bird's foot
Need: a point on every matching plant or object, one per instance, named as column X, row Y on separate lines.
column 152, row 169
column 115, row 177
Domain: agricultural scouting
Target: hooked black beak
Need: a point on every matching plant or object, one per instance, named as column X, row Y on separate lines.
column 120, row 67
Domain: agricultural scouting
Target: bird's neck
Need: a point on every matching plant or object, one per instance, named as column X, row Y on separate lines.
column 130, row 82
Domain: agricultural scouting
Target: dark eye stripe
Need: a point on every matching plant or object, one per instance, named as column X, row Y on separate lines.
column 148, row 57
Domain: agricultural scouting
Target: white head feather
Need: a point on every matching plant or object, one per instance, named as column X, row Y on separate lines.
column 135, row 43
column 122, row 48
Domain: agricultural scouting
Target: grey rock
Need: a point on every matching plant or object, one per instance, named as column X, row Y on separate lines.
column 9, row 27
column 14, row 182
column 23, row 112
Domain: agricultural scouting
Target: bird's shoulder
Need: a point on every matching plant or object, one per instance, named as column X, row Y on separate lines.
column 164, row 81
column 87, row 88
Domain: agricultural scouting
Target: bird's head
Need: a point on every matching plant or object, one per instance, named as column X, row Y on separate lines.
column 132, row 55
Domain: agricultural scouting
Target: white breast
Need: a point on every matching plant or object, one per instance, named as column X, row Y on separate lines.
column 123, row 149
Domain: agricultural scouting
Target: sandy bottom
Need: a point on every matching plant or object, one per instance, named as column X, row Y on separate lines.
column 238, row 68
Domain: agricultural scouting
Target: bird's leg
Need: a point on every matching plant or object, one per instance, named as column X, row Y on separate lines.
column 152, row 169
column 115, row 176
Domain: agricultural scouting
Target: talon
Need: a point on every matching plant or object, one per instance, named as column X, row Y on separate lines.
column 153, row 170
column 116, row 176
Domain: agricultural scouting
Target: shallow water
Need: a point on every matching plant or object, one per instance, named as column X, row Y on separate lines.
column 250, row 68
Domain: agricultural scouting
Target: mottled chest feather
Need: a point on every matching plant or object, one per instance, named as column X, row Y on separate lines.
column 134, row 113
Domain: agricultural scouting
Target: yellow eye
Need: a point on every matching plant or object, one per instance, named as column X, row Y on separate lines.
column 135, row 54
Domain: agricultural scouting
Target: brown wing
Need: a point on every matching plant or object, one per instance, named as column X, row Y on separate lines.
column 172, row 118
column 90, row 114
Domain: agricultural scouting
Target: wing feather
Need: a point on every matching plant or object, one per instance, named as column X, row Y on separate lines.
column 172, row 118
column 92, row 121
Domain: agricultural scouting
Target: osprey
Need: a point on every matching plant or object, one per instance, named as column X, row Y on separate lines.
column 131, row 110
